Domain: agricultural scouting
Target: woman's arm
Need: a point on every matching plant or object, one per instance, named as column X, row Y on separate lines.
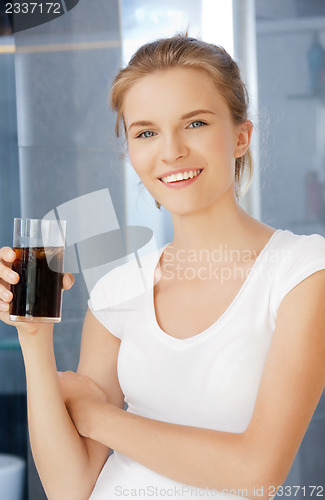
column 58, row 449
column 55, row 442
column 68, row 464
column 292, row 383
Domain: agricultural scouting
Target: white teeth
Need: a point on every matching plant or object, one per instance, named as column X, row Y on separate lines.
column 181, row 176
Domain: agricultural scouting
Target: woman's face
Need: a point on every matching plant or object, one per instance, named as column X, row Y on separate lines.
column 177, row 123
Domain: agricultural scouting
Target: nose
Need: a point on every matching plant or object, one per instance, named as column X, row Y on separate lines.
column 173, row 148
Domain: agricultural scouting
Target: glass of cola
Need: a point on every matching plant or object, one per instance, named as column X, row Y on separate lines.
column 39, row 248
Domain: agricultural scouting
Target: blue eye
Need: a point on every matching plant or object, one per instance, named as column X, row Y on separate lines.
column 146, row 134
column 197, row 124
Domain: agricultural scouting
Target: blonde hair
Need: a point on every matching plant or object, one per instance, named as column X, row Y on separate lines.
column 184, row 51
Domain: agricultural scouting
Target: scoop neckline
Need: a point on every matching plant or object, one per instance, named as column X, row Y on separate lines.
column 199, row 336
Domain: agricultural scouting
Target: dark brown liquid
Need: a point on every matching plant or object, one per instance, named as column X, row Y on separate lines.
column 39, row 290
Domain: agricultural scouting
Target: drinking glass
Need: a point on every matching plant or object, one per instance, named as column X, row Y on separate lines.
column 39, row 248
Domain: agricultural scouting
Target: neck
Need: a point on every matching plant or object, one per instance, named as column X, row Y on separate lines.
column 224, row 223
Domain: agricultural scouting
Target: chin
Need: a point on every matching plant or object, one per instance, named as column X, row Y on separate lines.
column 189, row 208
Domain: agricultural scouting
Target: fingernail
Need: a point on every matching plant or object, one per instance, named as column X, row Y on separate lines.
column 12, row 276
column 9, row 254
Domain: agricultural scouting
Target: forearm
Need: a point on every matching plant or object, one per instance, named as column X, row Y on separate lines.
column 198, row 457
column 58, row 450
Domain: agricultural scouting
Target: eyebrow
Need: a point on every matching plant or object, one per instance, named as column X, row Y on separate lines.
column 196, row 112
column 145, row 123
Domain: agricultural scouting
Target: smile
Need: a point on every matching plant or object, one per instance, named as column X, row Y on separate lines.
column 181, row 176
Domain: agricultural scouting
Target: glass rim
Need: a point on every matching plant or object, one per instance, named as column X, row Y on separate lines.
column 58, row 221
column 39, row 232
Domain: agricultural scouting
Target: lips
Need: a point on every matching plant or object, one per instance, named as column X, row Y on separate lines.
column 179, row 175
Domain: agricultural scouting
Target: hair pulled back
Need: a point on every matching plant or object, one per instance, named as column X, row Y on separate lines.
column 184, row 51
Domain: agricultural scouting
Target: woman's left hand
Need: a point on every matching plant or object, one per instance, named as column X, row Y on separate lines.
column 81, row 396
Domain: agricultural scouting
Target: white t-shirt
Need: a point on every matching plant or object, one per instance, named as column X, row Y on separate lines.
column 209, row 380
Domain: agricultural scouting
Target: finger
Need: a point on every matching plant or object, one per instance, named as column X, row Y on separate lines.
column 7, row 276
column 7, row 254
column 68, row 281
column 4, row 307
column 5, row 294
column 71, row 277
column 67, row 374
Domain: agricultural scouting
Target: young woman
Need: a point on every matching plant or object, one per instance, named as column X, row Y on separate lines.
column 221, row 358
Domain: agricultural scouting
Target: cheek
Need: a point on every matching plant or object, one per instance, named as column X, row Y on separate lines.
column 220, row 150
column 136, row 159
column 139, row 158
column 142, row 165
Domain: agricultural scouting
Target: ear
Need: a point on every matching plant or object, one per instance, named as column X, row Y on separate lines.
column 243, row 138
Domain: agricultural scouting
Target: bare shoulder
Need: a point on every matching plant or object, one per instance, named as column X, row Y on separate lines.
column 260, row 232
column 293, row 378
column 254, row 237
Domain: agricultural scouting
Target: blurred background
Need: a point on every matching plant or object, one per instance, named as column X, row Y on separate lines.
column 57, row 143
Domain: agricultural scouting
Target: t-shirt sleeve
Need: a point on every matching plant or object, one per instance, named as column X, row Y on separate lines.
column 107, row 298
column 306, row 257
column 99, row 305
column 115, row 294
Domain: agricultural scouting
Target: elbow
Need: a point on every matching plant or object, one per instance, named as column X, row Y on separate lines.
column 66, row 495
column 273, row 481
column 266, row 469
column 266, row 488
column 261, row 487
column 80, row 490
column 265, row 481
